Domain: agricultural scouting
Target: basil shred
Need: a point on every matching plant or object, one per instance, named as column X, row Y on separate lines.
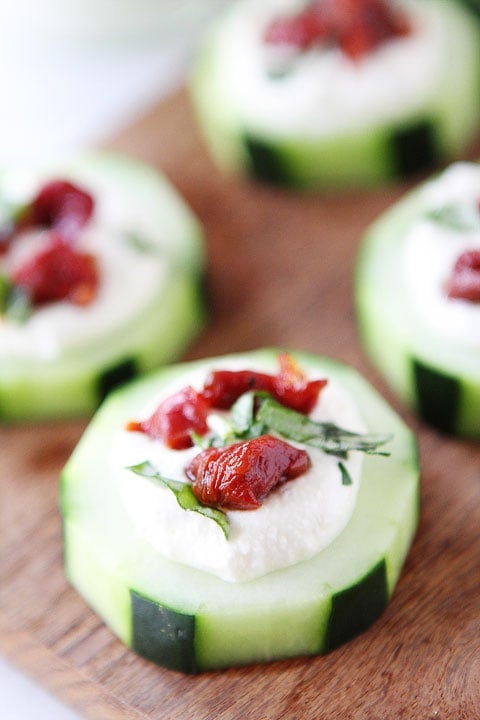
column 184, row 495
column 455, row 217
column 15, row 303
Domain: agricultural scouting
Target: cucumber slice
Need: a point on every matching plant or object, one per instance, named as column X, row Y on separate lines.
column 135, row 325
column 365, row 146
column 190, row 620
column 435, row 372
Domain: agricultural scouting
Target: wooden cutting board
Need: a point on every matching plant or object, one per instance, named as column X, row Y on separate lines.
column 280, row 269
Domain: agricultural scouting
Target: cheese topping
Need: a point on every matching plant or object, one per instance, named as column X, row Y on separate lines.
column 296, row 521
column 322, row 92
column 128, row 277
column 431, row 249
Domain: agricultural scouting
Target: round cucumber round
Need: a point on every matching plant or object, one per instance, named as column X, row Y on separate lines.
column 365, row 147
column 428, row 362
column 65, row 369
column 191, row 620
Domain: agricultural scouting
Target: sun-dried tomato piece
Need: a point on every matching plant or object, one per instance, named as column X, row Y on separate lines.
column 223, row 387
column 61, row 206
column 290, row 386
column 240, row 476
column 370, row 23
column 58, row 272
column 464, row 282
column 301, row 30
column 293, row 389
column 175, row 419
column 186, row 411
column 355, row 26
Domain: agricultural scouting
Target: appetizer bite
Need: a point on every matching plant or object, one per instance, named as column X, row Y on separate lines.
column 99, row 280
column 418, row 299
column 240, row 509
column 332, row 93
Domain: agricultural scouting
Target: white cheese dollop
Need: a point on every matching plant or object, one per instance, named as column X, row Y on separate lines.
column 324, row 93
column 296, row 521
column 431, row 250
column 127, row 278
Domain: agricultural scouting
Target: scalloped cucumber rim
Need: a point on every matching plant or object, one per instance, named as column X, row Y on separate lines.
column 437, row 379
column 77, row 381
column 190, row 620
column 433, row 132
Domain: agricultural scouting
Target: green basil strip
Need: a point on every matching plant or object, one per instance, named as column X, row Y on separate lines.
column 5, row 290
column 15, row 303
column 242, row 413
column 346, row 477
column 184, row 495
column 244, row 424
column 454, row 217
column 140, row 243
column 326, row 436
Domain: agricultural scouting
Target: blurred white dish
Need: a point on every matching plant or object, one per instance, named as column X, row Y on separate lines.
column 111, row 21
column 24, row 700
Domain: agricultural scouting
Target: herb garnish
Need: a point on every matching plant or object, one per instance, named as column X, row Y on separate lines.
column 15, row 303
column 456, row 217
column 184, row 495
column 244, row 419
column 256, row 413
column 141, row 243
column 326, row 436
column 252, row 415
column 346, row 477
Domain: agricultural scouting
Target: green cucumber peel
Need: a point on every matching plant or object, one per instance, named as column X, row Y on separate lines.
column 184, row 495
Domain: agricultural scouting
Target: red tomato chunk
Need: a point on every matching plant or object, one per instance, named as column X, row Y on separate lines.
column 61, row 206
column 175, row 419
column 58, row 272
column 240, row 476
column 355, row 26
column 292, row 389
column 464, row 282
column 186, row 411
column 223, row 387
column 289, row 387
column 302, row 30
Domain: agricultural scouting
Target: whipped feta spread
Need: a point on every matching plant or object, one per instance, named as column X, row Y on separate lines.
column 128, row 278
column 295, row 522
column 432, row 248
column 323, row 93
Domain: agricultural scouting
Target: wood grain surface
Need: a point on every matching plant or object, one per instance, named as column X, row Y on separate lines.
column 279, row 273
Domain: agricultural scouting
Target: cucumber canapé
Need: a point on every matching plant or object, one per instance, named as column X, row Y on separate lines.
column 321, row 96
column 100, row 268
column 181, row 593
column 418, row 299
